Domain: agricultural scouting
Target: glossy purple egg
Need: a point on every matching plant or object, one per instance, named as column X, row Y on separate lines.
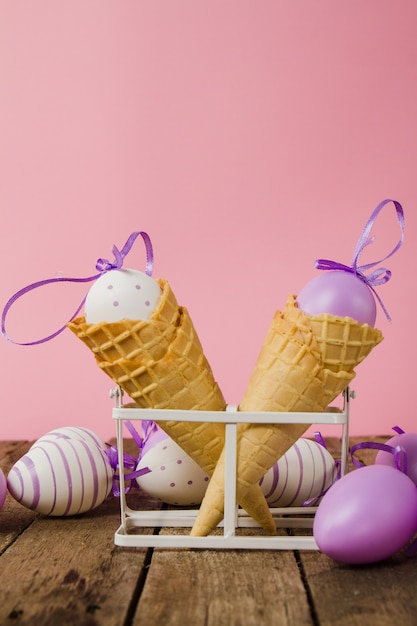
column 408, row 441
column 338, row 293
column 367, row 515
column 3, row 488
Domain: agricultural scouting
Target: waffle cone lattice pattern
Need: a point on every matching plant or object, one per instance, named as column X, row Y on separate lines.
column 291, row 374
column 159, row 363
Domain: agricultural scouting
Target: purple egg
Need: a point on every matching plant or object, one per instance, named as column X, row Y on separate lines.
column 3, row 488
column 367, row 515
column 338, row 293
column 408, row 441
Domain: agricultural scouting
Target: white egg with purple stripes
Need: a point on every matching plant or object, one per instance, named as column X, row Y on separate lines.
column 61, row 476
column 301, row 475
column 74, row 432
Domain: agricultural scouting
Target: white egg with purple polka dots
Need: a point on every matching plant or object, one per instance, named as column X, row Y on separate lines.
column 174, row 477
column 121, row 294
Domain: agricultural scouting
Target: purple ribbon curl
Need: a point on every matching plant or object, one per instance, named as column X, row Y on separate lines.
column 130, row 463
column 102, row 265
column 400, row 455
column 378, row 276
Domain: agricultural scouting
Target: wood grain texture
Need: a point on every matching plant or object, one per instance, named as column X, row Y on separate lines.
column 14, row 518
column 67, row 571
column 379, row 593
column 212, row 588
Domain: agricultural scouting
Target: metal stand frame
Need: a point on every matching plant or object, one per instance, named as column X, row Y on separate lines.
column 128, row 534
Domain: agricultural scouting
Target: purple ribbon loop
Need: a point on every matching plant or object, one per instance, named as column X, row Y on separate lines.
column 378, row 276
column 399, row 453
column 102, row 265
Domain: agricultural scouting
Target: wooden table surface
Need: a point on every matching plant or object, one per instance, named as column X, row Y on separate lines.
column 61, row 571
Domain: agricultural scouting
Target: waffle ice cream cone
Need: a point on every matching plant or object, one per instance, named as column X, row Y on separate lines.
column 289, row 376
column 160, row 364
column 343, row 342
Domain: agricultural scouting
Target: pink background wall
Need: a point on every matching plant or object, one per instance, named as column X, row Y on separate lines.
column 247, row 138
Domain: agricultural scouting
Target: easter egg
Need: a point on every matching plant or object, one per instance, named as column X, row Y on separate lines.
column 367, row 515
column 408, row 441
column 302, row 474
column 121, row 294
column 3, row 488
column 60, row 477
column 174, row 477
column 74, row 432
column 339, row 293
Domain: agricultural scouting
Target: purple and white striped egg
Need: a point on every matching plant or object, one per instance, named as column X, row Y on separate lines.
column 3, row 488
column 74, row 432
column 61, row 476
column 302, row 474
column 174, row 477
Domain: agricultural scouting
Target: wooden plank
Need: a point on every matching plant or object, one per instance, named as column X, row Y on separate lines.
column 216, row 587
column 14, row 518
column 68, row 570
column 381, row 593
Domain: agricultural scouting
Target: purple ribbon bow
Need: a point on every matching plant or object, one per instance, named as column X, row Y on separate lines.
column 102, row 265
column 130, row 463
column 379, row 276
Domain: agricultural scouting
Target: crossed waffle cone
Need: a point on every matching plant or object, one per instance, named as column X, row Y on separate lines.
column 160, row 364
column 305, row 362
column 301, row 367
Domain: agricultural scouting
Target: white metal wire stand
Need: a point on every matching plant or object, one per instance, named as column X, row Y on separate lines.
column 235, row 519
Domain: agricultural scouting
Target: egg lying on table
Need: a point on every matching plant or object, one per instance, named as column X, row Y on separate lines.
column 304, row 473
column 3, row 488
column 59, row 476
column 75, row 432
column 408, row 442
column 367, row 515
column 174, row 477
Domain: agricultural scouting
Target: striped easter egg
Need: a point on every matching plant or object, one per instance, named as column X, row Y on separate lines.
column 75, row 432
column 59, row 476
column 302, row 474
column 3, row 488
